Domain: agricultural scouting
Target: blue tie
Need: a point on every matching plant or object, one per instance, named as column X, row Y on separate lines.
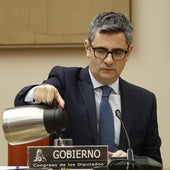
column 106, row 124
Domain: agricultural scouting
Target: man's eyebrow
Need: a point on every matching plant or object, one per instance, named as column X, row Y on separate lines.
column 119, row 49
column 114, row 49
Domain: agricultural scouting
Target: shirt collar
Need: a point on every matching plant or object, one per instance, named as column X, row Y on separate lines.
column 96, row 84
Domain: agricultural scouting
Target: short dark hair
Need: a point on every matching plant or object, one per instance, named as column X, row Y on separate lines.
column 110, row 22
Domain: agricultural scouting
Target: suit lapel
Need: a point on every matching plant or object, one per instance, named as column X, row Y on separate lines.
column 126, row 105
column 87, row 92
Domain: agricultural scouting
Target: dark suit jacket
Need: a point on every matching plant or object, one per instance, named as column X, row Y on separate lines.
column 138, row 111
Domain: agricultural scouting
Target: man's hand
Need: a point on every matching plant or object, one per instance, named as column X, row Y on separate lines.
column 47, row 93
column 118, row 153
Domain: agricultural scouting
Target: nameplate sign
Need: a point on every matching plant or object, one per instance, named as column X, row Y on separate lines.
column 74, row 157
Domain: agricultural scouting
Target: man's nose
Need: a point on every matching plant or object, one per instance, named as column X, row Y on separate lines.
column 109, row 58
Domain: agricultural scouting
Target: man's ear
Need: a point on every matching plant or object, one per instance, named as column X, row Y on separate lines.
column 129, row 50
column 87, row 48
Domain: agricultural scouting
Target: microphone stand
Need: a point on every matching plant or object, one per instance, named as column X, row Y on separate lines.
column 130, row 155
column 141, row 162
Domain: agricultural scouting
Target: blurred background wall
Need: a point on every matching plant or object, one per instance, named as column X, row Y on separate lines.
column 149, row 65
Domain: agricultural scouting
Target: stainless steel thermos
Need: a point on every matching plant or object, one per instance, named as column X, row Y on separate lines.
column 29, row 123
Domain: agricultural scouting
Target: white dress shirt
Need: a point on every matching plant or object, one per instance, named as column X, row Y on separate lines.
column 114, row 100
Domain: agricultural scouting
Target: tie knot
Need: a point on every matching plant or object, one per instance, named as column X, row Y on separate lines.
column 106, row 90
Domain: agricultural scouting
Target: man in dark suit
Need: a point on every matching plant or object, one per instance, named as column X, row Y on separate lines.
column 78, row 91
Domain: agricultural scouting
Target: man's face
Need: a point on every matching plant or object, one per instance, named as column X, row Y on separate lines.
column 107, row 70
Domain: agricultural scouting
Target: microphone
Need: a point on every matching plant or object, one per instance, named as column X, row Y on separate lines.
column 130, row 155
column 140, row 162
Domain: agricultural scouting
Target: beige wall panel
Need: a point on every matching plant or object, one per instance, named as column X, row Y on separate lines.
column 51, row 22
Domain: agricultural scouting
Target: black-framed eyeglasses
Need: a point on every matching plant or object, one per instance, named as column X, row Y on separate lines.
column 102, row 53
